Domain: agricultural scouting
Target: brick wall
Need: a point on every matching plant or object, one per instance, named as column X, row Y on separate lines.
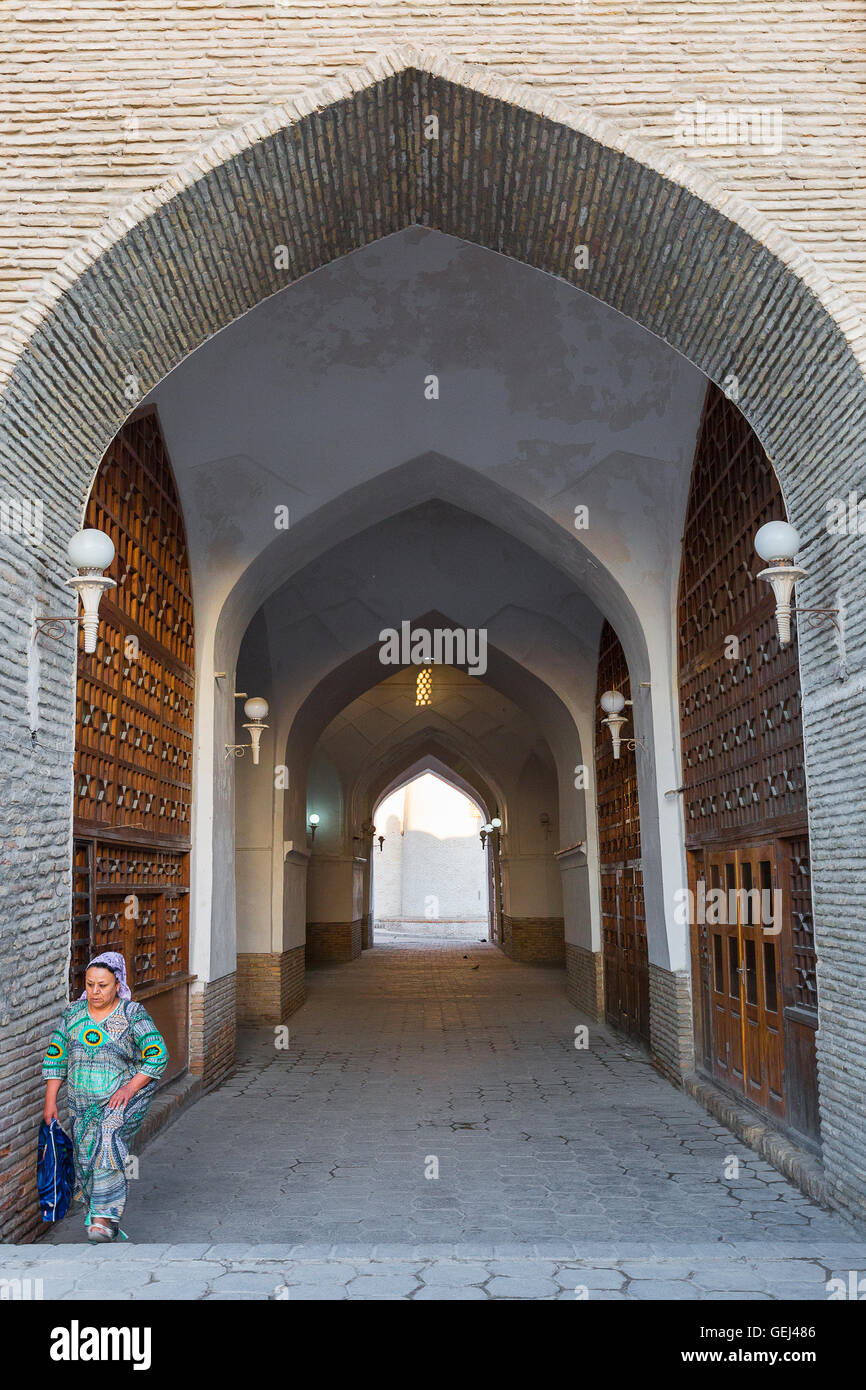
column 534, row 940
column 585, row 980
column 333, row 943
column 99, row 103
column 212, row 1029
column 270, row 985
column 671, row 1028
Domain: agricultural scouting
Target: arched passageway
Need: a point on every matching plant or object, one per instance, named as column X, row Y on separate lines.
column 436, row 1095
column 740, row 311
column 430, row 878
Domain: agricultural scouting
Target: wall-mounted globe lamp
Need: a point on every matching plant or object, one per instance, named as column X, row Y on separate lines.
column 312, row 824
column 493, row 826
column 777, row 542
column 256, row 710
column 91, row 552
column 613, row 702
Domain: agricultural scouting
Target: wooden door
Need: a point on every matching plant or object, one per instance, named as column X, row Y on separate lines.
column 134, row 738
column 702, row 965
column 744, row 783
column 626, row 968
column 760, row 925
column 637, row 955
column 726, row 968
column 740, row 919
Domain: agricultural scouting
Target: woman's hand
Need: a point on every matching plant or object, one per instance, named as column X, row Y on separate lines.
column 132, row 1087
column 49, row 1110
column 120, row 1097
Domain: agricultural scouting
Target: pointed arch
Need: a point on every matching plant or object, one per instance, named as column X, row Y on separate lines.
column 527, row 178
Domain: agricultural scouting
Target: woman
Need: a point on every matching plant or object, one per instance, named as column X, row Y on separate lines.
column 111, row 1054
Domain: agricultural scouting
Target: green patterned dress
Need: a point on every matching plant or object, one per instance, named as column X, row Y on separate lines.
column 95, row 1059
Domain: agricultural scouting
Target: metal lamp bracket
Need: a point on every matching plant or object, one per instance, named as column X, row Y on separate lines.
column 820, row 617
column 51, row 626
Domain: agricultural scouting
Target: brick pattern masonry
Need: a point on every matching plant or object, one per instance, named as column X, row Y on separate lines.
column 585, row 980
column 333, row 943
column 534, row 939
column 671, row 1026
column 729, row 270
column 270, row 985
column 212, row 1029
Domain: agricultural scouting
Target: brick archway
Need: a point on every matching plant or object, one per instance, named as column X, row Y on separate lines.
column 517, row 174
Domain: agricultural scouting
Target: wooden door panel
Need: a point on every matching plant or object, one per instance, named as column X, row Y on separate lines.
column 744, row 784
column 761, row 929
column 134, row 724
column 742, row 972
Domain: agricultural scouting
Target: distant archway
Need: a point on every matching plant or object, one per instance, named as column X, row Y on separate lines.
column 430, row 877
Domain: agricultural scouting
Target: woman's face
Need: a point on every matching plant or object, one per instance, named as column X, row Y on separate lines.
column 101, row 986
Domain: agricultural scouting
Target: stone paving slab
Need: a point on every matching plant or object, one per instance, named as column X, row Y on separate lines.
column 557, row 1159
column 410, row 1272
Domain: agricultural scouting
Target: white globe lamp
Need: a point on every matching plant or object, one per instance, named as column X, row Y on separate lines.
column 91, row 552
column 777, row 542
column 613, row 702
column 256, row 710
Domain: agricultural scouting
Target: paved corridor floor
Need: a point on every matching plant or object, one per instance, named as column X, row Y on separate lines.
column 431, row 1098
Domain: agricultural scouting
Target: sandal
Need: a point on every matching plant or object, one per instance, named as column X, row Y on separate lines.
column 101, row 1229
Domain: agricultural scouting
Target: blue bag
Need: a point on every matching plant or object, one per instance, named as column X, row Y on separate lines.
column 55, row 1171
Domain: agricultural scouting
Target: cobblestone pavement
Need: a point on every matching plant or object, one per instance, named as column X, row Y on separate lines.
column 549, row 1270
column 558, row 1167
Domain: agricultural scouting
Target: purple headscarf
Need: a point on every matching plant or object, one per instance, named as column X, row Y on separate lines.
column 113, row 961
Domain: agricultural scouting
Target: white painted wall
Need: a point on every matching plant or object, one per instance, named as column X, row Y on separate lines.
column 431, row 867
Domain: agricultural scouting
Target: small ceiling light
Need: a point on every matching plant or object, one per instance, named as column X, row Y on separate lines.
column 424, row 687
column 91, row 552
column 777, row 542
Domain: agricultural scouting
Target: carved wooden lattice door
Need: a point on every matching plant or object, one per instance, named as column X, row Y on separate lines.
column 133, row 747
column 744, row 779
column 624, row 942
